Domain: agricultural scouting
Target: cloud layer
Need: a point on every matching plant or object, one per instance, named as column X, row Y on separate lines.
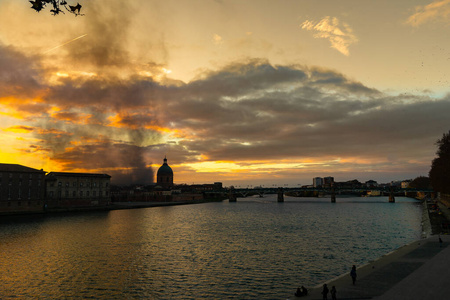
column 96, row 107
column 248, row 113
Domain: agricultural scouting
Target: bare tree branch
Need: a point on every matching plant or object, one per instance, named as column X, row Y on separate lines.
column 39, row 5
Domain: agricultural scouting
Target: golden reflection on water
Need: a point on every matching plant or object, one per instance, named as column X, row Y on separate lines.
column 255, row 248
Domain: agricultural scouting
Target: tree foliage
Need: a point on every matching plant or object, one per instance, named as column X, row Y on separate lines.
column 39, row 5
column 440, row 166
column 420, row 182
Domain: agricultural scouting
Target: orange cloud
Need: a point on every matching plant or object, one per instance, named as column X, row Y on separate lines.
column 137, row 121
column 72, row 117
column 19, row 129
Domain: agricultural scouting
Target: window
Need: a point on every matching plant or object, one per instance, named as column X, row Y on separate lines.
column 81, row 193
column 81, row 184
column 94, row 193
column 74, row 184
column 59, row 183
column 67, row 193
column 87, row 193
column 67, row 184
column 74, row 194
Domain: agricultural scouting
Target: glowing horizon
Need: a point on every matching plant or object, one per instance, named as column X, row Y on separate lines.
column 323, row 90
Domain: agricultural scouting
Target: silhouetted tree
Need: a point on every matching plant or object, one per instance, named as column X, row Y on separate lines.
column 440, row 166
column 421, row 182
column 38, row 5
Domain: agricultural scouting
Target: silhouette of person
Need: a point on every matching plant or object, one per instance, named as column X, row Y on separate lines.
column 325, row 292
column 440, row 242
column 353, row 274
column 304, row 290
column 298, row 293
column 333, row 293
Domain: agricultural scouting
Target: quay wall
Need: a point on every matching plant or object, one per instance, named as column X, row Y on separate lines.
column 426, row 222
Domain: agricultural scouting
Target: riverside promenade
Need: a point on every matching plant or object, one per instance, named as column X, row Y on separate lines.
column 419, row 270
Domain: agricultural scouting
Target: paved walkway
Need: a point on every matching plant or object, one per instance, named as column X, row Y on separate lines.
column 420, row 270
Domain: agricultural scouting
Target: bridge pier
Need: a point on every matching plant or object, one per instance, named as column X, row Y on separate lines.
column 231, row 195
column 280, row 195
column 333, row 195
column 391, row 196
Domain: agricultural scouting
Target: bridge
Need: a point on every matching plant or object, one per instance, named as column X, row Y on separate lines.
column 234, row 193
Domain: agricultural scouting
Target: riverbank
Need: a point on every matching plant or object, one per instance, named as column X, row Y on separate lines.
column 112, row 206
column 412, row 270
column 418, row 270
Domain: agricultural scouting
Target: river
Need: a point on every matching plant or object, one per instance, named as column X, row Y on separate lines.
column 255, row 248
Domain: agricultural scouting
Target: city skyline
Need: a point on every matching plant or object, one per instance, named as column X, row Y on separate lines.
column 240, row 92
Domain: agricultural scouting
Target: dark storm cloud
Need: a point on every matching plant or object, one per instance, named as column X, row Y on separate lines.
column 106, row 92
column 242, row 78
column 106, row 42
column 19, row 74
column 111, row 158
column 318, row 113
column 243, row 112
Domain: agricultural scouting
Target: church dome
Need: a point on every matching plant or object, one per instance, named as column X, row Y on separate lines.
column 165, row 170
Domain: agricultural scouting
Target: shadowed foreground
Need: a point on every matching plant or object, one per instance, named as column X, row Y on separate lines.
column 414, row 271
column 419, row 270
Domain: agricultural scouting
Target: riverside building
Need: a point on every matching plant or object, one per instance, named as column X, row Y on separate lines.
column 69, row 190
column 317, row 182
column 22, row 189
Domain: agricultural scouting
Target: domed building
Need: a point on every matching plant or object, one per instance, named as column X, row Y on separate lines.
column 164, row 177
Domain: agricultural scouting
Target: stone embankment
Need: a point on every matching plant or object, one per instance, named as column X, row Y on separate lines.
column 439, row 215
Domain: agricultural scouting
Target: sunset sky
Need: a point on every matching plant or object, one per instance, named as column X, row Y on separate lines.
column 242, row 92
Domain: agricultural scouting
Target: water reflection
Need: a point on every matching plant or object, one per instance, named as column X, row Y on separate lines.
column 255, row 248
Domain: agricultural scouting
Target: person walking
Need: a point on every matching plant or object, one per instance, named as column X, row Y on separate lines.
column 353, row 274
column 325, row 292
column 333, row 293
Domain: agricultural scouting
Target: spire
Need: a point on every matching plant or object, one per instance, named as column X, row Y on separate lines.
column 165, row 160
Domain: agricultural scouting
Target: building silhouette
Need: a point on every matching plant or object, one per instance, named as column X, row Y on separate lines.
column 22, row 189
column 65, row 189
column 164, row 177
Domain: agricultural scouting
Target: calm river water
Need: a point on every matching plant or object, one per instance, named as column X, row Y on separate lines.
column 253, row 249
